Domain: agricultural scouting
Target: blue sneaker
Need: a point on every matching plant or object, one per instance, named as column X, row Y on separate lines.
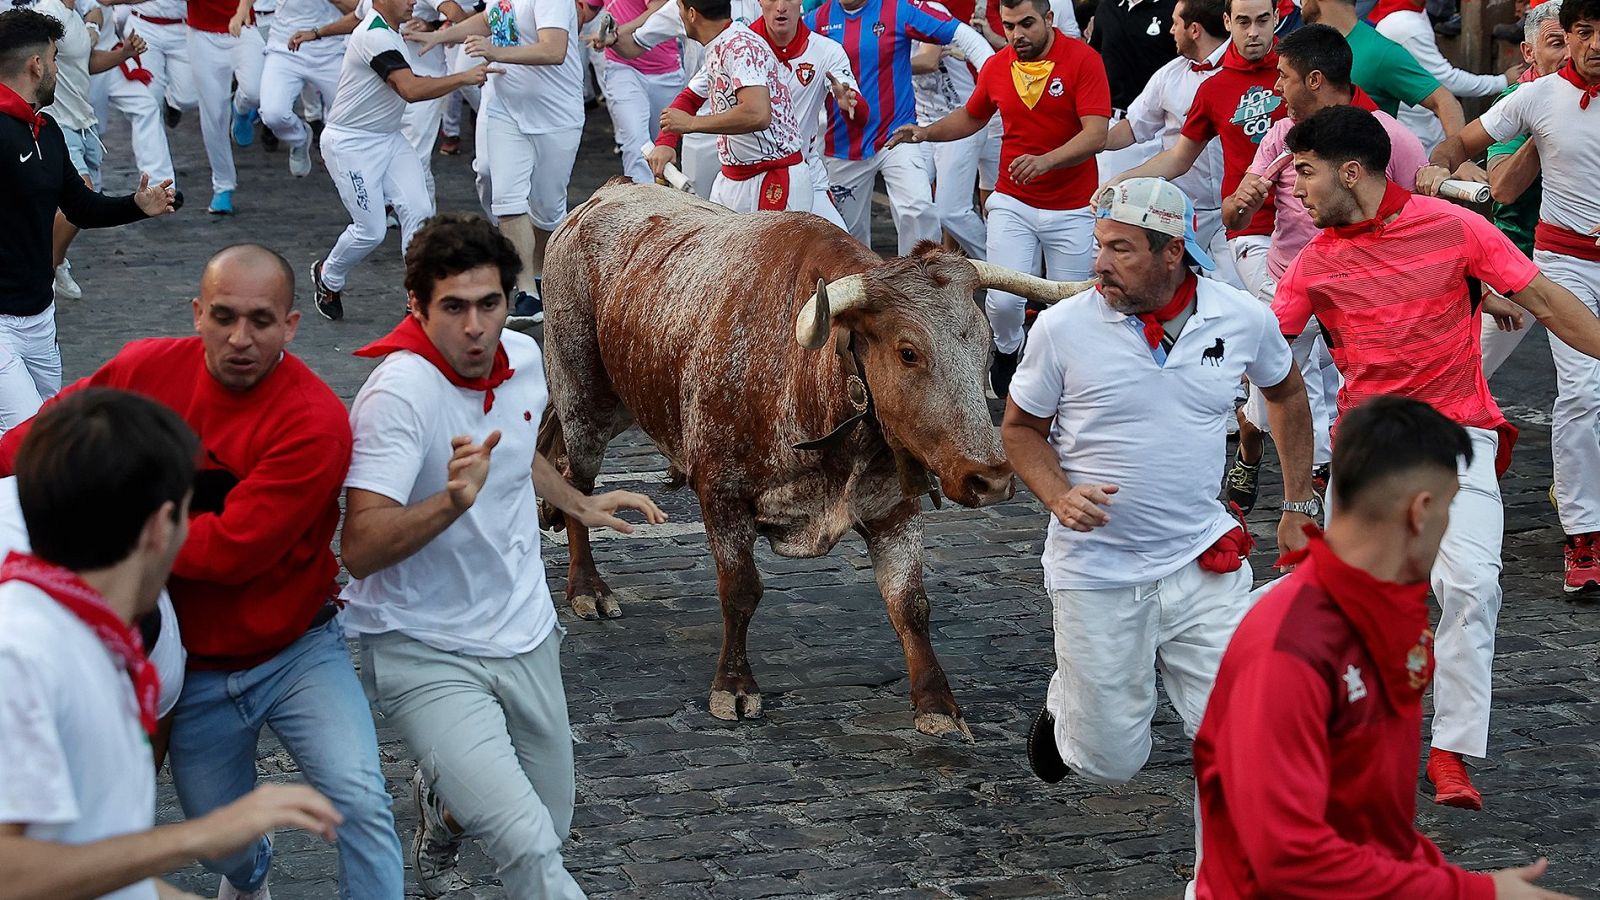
column 244, row 128
column 221, row 204
column 528, row 306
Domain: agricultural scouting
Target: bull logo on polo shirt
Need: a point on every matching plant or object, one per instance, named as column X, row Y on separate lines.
column 1056, row 88
column 1254, row 112
column 804, row 73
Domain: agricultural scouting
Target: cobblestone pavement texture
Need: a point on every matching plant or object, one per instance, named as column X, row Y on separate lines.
column 834, row 794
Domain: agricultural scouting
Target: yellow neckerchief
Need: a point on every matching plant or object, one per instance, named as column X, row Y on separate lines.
column 1029, row 78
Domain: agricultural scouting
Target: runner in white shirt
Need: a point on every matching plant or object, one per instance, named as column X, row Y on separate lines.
column 105, row 479
column 249, row 60
column 448, row 596
column 286, row 73
column 160, row 23
column 1561, row 115
column 1411, row 28
column 369, row 158
column 129, row 88
column 531, row 123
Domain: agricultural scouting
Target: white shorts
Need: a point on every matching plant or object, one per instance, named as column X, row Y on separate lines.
column 529, row 173
column 745, row 196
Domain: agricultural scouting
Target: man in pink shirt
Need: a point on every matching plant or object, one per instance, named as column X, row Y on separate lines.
column 1313, row 73
column 638, row 89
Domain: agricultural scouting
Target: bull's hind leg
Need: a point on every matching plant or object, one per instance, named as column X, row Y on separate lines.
column 895, row 544
column 732, row 538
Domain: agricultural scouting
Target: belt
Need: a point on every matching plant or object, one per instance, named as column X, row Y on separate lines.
column 1556, row 239
column 155, row 20
column 750, row 170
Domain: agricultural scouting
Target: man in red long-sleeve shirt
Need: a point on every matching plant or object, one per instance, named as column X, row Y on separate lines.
column 254, row 582
column 1306, row 760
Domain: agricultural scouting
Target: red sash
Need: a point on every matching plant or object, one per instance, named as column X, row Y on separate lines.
column 1557, row 239
column 774, row 183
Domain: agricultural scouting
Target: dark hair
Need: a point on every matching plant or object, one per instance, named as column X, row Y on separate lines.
column 1318, row 48
column 1391, row 435
column 1042, row 7
column 92, row 469
column 451, row 243
column 1339, row 134
column 715, row 10
column 1210, row 15
column 1227, row 6
column 24, row 33
column 1575, row 11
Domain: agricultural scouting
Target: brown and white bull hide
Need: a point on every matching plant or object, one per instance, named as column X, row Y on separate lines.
column 681, row 315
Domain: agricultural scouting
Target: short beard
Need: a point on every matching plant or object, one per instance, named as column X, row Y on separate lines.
column 1130, row 305
column 45, row 94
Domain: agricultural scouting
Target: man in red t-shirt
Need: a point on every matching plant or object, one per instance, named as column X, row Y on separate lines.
column 1387, row 279
column 1238, row 106
column 1055, row 105
column 1306, row 759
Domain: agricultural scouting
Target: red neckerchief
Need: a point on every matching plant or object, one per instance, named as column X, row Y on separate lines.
column 1394, row 199
column 1360, row 100
column 1181, row 298
column 1233, row 59
column 797, row 46
column 12, row 104
column 1286, row 9
column 133, row 68
column 1391, row 619
column 1385, row 7
column 86, row 603
column 1201, row 66
column 1570, row 73
column 408, row 335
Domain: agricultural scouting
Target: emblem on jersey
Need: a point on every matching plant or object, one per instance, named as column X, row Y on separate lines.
column 805, row 72
column 1254, row 112
column 1354, row 686
column 1213, row 354
column 1417, row 661
column 878, row 28
column 1056, row 88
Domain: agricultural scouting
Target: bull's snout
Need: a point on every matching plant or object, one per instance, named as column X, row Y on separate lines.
column 985, row 486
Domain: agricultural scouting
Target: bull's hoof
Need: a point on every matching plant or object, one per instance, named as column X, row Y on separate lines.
column 939, row 725
column 726, row 705
column 586, row 606
column 609, row 607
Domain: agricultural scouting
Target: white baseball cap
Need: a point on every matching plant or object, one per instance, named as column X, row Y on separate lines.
column 1158, row 205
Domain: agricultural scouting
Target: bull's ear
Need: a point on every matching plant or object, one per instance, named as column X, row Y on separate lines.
column 926, row 248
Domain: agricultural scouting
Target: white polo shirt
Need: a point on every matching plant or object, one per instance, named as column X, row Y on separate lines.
column 478, row 587
column 1569, row 146
column 1160, row 111
column 303, row 15
column 1155, row 430
column 537, row 99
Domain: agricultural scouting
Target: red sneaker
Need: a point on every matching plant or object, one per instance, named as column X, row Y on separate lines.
column 1452, row 786
column 1583, row 563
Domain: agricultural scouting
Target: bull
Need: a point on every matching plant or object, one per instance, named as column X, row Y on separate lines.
column 710, row 330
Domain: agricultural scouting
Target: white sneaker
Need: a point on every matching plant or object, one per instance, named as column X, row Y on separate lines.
column 229, row 892
column 435, row 851
column 66, row 287
column 300, row 158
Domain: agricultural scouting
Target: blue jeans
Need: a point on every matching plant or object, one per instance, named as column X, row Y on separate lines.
column 310, row 697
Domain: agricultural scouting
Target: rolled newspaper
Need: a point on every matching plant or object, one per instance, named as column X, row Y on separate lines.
column 1464, row 191
column 1278, row 164
column 605, row 30
column 671, row 176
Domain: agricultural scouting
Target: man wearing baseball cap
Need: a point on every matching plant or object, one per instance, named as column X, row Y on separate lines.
column 1116, row 423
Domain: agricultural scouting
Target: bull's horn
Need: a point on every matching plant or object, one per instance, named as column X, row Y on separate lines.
column 1032, row 287
column 811, row 327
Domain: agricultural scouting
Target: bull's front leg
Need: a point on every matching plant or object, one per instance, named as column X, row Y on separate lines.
column 895, row 544
column 732, row 538
column 577, row 449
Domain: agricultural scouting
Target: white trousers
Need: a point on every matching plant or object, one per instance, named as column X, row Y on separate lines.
column 822, row 193
column 1109, row 644
column 1575, row 425
column 371, row 170
column 249, row 59
column 284, row 76
column 19, row 395
column 32, row 339
column 1466, row 580
column 989, row 154
column 211, row 62
column 1497, row 346
column 955, row 174
column 167, row 57
column 745, row 196
column 910, row 195
column 528, row 173
column 1018, row 236
column 141, row 104
column 1213, row 237
column 421, row 129
column 635, row 101
column 697, row 155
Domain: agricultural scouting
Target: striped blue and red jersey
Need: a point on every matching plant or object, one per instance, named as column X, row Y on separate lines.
column 878, row 39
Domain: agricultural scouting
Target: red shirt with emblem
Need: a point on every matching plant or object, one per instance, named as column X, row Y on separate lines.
column 1076, row 87
column 211, row 15
column 1238, row 105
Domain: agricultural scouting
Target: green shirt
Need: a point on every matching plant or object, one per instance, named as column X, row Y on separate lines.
column 1390, row 75
column 1516, row 220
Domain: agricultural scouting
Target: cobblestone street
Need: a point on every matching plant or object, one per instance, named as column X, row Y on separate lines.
column 833, row 793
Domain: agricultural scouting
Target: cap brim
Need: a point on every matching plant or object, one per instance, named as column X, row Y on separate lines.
column 1201, row 257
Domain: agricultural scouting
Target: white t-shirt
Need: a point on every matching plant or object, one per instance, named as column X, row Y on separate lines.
column 1154, row 430
column 666, row 24
column 479, row 587
column 304, row 15
column 1569, row 146
column 1160, row 111
column 1414, row 31
column 537, row 99
column 77, row 766
column 739, row 58
column 71, row 108
column 432, row 63
column 364, row 101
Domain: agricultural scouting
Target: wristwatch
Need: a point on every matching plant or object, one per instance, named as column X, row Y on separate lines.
column 1312, row 507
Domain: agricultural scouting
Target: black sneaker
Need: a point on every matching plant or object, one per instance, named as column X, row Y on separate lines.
column 1241, row 483
column 1043, row 755
column 269, row 141
column 171, row 115
column 1319, row 482
column 329, row 306
column 1450, row 27
column 1001, row 370
column 528, row 306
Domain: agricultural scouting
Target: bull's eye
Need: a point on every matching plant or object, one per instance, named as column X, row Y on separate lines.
column 908, row 356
